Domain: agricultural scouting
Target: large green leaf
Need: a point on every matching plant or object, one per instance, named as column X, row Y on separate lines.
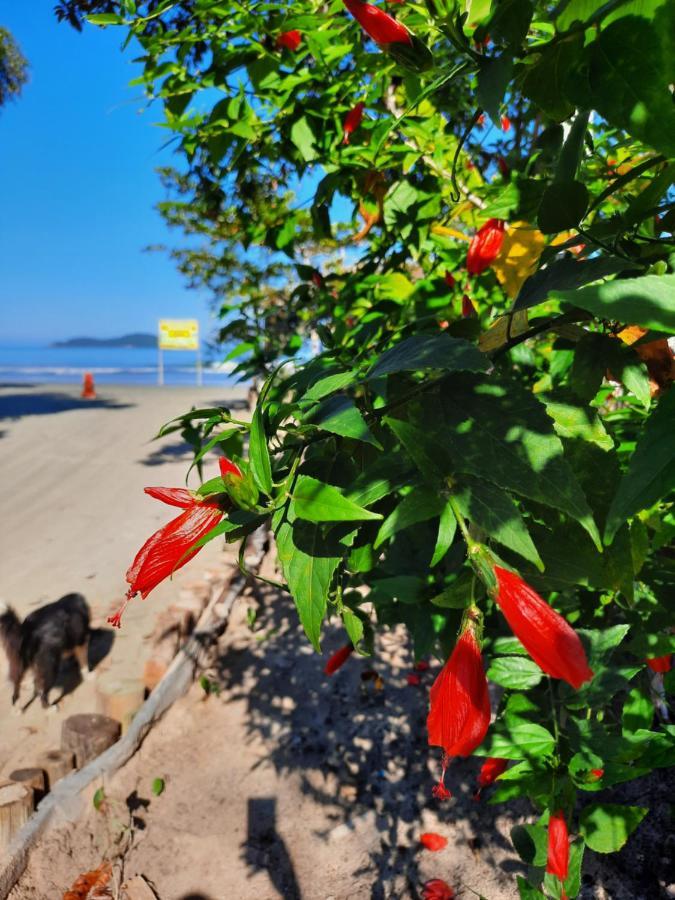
column 514, row 672
column 339, row 415
column 647, row 301
column 607, row 826
column 543, row 82
column 531, row 843
column 319, row 502
column 307, row 571
column 564, row 275
column 651, row 472
column 522, row 740
column 494, row 75
column 498, row 431
column 495, row 512
column 430, row 351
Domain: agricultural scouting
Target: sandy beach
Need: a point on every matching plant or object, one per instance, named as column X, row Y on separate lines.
column 74, row 514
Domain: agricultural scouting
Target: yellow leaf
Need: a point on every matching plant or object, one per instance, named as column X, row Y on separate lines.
column 518, row 257
column 500, row 332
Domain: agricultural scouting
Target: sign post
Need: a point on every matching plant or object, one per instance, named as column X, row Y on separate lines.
column 178, row 334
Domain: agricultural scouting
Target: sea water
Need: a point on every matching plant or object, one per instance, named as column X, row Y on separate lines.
column 112, row 365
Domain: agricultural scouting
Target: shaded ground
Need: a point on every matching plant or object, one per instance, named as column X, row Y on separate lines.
column 288, row 784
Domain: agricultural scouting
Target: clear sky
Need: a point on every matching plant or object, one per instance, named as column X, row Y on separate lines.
column 78, row 153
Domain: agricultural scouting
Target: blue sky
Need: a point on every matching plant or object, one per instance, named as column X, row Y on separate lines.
column 78, row 152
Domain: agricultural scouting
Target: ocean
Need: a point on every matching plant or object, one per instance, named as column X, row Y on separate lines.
column 112, row 365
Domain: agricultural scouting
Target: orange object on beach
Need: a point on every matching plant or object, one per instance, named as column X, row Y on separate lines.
column 88, row 389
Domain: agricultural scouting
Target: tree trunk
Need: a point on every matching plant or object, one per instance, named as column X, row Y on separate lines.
column 56, row 764
column 32, row 778
column 87, row 735
column 16, row 807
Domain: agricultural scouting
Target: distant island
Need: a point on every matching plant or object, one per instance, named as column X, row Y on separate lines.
column 127, row 340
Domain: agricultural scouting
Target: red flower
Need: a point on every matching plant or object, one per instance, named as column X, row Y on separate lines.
column 506, row 123
column 437, row 889
column 468, row 309
column 557, row 862
column 480, row 121
column 551, row 642
column 432, row 841
column 440, row 792
column 491, row 769
column 352, row 121
column 421, row 666
column 485, row 246
column 173, row 545
column 503, row 166
column 459, row 714
column 377, row 24
column 660, row 663
column 597, row 774
column 338, row 659
column 291, row 40
column 413, row 679
column 449, row 280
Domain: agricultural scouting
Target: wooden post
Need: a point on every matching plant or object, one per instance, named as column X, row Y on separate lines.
column 56, row 764
column 87, row 735
column 32, row 778
column 119, row 698
column 16, row 806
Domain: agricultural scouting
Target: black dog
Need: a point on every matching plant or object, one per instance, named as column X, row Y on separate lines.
column 45, row 636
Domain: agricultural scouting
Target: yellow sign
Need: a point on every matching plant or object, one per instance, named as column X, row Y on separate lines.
column 178, row 334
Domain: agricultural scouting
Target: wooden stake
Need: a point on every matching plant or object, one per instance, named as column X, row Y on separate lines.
column 56, row 764
column 32, row 778
column 87, row 735
column 16, row 806
column 119, row 698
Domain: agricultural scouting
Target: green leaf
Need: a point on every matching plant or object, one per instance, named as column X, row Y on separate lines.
column 259, row 455
column 303, row 138
column 648, row 301
column 456, row 595
column 543, row 82
column 494, row 75
column 638, row 711
column 319, row 502
column 157, row 786
column 98, row 799
column 325, row 386
column 353, row 625
column 565, row 275
column 514, row 672
column 420, row 505
column 522, row 740
column 105, row 19
column 563, row 206
column 308, row 573
column 430, row 351
column 511, row 21
column 607, row 826
column 498, row 431
column 447, row 526
column 495, row 512
column 339, row 415
column 531, row 843
column 526, row 891
column 577, row 422
column 651, row 471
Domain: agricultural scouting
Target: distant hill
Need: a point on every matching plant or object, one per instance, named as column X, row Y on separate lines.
column 127, row 340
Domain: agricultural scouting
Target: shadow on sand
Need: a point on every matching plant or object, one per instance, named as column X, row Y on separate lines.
column 15, row 406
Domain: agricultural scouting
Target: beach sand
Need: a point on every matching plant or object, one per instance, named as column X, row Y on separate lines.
column 73, row 516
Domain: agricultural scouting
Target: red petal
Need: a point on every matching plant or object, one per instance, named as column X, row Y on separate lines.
column 432, row 841
column 338, row 659
column 549, row 639
column 557, row 862
column 163, row 552
column 660, row 663
column 491, row 769
column 459, row 715
column 437, row 889
column 227, row 467
column 172, row 496
column 377, row 24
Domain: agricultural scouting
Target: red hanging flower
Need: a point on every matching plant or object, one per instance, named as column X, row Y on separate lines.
column 449, row 280
column 490, row 771
column 503, row 167
column 377, row 24
column 551, row 642
column 421, row 666
column 506, row 123
column 485, row 246
column 558, row 859
column 596, row 774
column 459, row 713
column 173, row 545
column 338, row 659
column 437, row 889
column 660, row 663
column 290, row 40
column 352, row 121
column 432, row 841
column 413, row 679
